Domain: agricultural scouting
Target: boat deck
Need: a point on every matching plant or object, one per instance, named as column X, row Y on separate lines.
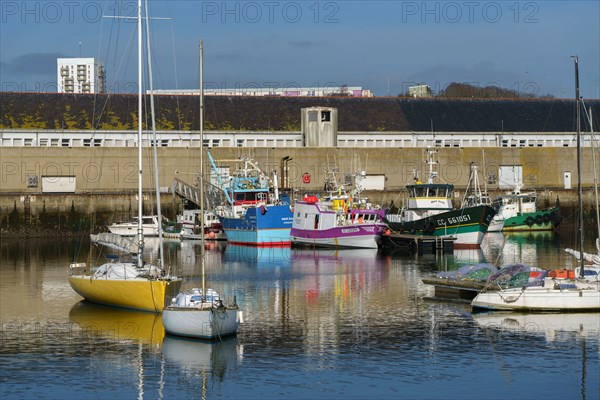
column 454, row 289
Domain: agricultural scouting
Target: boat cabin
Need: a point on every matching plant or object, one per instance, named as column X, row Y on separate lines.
column 430, row 196
column 519, row 203
column 250, row 198
column 322, row 215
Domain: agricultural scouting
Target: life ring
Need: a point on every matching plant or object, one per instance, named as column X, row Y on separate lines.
column 546, row 218
column 530, row 221
column 539, row 220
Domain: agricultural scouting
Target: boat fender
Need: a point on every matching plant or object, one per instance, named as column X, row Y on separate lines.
column 387, row 232
column 530, row 221
column 538, row 220
column 263, row 210
column 413, row 230
column 546, row 218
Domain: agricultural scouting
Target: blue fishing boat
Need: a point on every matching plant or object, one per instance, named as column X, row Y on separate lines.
column 256, row 214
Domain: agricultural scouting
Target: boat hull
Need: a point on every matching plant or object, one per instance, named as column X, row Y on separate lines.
column 194, row 236
column 131, row 230
column 496, row 225
column 539, row 299
column 468, row 225
column 260, row 226
column 137, row 294
column 363, row 236
column 545, row 220
column 206, row 324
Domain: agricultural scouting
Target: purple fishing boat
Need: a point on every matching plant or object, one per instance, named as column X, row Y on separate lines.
column 336, row 222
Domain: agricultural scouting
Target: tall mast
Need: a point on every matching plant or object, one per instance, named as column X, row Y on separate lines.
column 202, row 168
column 140, row 228
column 154, row 145
column 592, row 140
column 579, row 194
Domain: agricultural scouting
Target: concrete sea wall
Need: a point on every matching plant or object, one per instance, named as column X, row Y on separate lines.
column 105, row 180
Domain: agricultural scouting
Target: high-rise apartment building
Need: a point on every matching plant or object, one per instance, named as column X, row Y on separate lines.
column 80, row 75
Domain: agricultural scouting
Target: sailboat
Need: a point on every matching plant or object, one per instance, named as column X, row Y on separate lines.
column 201, row 313
column 129, row 282
column 520, row 289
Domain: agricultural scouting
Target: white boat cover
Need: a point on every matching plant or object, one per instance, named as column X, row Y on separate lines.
column 116, row 271
column 116, row 242
column 124, row 271
column 593, row 258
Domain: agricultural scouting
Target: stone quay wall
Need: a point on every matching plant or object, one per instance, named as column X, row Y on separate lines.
column 105, row 179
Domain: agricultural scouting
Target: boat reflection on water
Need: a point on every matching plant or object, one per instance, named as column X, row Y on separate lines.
column 196, row 357
column 521, row 247
column 191, row 251
column 343, row 273
column 259, row 256
column 118, row 324
column 555, row 327
column 322, row 256
column 468, row 256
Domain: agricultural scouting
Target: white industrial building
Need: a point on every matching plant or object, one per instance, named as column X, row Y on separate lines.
column 291, row 91
column 80, row 75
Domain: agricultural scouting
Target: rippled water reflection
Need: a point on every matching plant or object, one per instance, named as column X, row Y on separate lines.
column 318, row 324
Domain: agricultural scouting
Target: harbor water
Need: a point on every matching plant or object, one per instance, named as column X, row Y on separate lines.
column 318, row 324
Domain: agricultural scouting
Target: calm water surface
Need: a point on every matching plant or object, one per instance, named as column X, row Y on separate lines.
column 349, row 324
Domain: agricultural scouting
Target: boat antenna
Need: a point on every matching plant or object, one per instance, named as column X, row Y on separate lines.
column 579, row 202
column 431, row 162
column 485, row 189
column 471, row 177
column 202, row 239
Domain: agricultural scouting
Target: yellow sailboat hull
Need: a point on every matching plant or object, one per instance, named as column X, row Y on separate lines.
column 138, row 294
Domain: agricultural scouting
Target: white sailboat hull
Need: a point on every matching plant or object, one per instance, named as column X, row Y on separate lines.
column 584, row 297
column 207, row 323
column 131, row 230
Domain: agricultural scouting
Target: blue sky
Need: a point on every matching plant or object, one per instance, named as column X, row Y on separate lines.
column 384, row 46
